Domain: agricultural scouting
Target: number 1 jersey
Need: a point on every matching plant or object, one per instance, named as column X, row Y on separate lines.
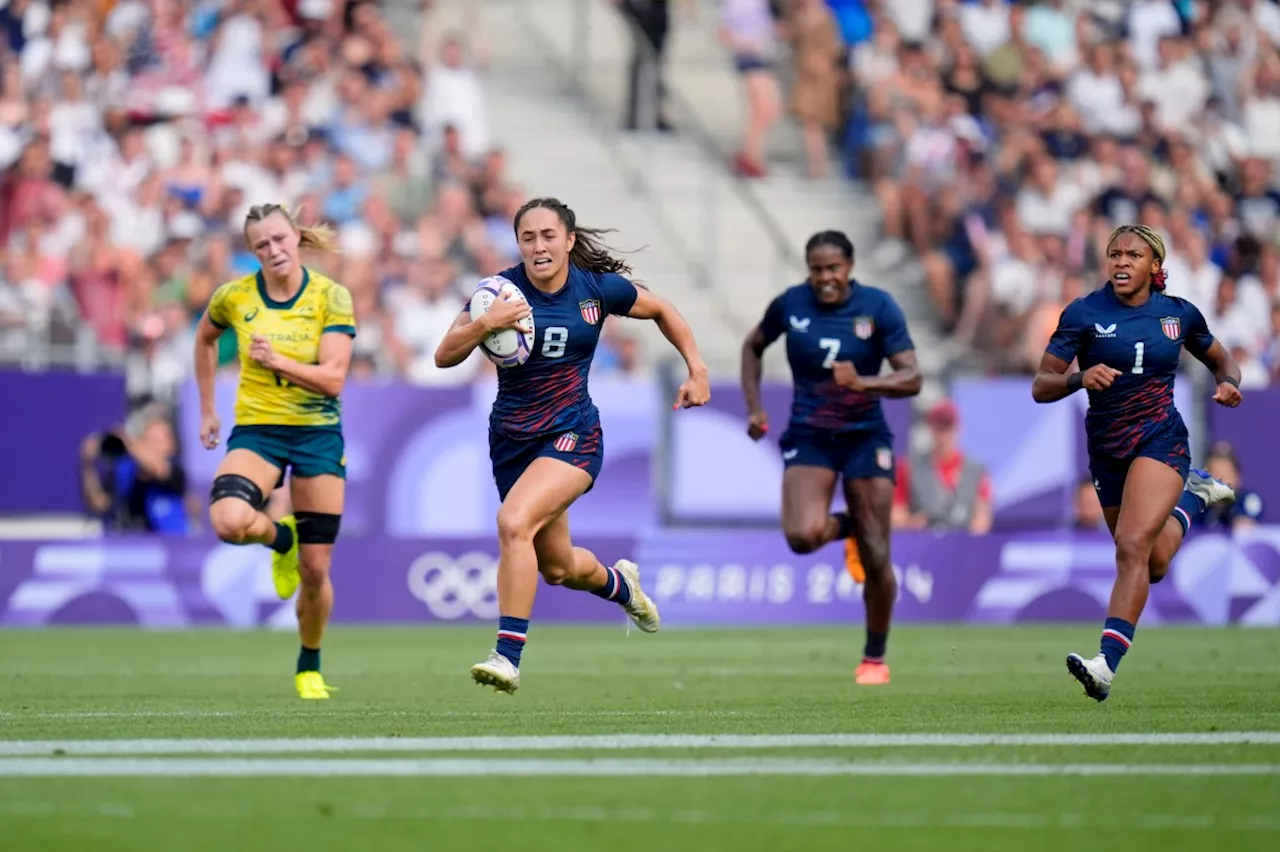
column 547, row 394
column 1144, row 342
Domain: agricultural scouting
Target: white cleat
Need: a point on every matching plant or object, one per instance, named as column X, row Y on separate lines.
column 643, row 611
column 1208, row 489
column 1094, row 675
column 498, row 672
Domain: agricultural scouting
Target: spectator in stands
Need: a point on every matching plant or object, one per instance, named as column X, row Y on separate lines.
column 1177, row 106
column 1247, row 510
column 132, row 476
column 1086, row 509
column 817, row 53
column 748, row 30
column 650, row 21
column 943, row 489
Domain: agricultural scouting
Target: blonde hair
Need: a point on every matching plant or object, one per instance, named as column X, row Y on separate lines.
column 1151, row 238
column 317, row 237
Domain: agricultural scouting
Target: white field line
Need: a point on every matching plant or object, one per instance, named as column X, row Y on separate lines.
column 275, row 712
column 109, row 767
column 618, row 742
column 63, row 809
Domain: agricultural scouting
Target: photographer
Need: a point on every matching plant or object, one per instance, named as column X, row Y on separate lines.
column 132, row 478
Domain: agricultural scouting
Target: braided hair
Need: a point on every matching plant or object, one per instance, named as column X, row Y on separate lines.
column 1151, row 238
column 589, row 251
column 836, row 239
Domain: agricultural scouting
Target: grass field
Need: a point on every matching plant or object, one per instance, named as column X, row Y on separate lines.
column 734, row 740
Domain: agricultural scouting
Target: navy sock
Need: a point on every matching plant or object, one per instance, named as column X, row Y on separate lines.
column 1117, row 637
column 845, row 522
column 873, row 651
column 511, row 636
column 284, row 539
column 309, row 659
column 615, row 588
column 1189, row 509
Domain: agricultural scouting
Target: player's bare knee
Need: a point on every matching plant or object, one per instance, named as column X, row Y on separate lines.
column 1132, row 551
column 806, row 538
column 874, row 553
column 232, row 519
column 313, row 566
column 515, row 525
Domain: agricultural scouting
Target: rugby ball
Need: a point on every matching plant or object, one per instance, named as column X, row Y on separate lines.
column 509, row 347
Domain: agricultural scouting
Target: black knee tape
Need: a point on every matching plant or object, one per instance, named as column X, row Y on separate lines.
column 239, row 487
column 317, row 527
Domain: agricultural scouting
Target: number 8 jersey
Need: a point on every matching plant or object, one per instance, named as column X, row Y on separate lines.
column 1144, row 342
column 547, row 395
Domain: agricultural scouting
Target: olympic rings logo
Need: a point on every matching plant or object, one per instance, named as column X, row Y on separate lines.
column 455, row 587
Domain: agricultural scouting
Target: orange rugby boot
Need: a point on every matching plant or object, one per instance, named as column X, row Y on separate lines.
column 871, row 674
column 853, row 562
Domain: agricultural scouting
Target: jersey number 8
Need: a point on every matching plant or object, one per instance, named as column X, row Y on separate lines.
column 554, row 340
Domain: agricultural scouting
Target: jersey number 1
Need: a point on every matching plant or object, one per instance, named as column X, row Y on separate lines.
column 1138, row 349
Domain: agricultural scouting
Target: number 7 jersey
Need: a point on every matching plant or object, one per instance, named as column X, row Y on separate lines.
column 1144, row 343
column 547, row 394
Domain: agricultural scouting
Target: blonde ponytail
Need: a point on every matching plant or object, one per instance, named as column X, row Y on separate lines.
column 317, row 237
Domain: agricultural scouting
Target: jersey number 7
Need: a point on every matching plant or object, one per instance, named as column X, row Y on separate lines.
column 832, row 345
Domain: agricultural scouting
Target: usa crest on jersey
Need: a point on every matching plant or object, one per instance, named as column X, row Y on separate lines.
column 590, row 310
column 566, row 442
column 863, row 327
column 1171, row 326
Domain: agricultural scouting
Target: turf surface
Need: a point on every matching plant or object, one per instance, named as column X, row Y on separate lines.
column 91, row 685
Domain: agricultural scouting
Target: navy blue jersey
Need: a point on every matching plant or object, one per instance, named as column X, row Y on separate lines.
column 866, row 328
column 547, row 394
column 1144, row 343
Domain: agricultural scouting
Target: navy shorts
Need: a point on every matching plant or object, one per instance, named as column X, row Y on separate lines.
column 853, row 455
column 583, row 448
column 746, row 63
column 1109, row 473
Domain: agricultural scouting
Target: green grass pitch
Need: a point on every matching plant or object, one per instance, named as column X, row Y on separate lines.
column 216, row 696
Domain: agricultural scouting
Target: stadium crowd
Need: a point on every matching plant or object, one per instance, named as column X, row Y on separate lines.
column 135, row 134
column 1004, row 140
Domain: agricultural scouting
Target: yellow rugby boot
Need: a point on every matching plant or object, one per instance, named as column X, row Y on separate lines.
column 284, row 566
column 311, row 686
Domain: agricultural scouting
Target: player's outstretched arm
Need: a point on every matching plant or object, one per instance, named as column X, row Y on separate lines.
column 206, row 368
column 751, row 371
column 697, row 389
column 1226, row 373
column 326, row 378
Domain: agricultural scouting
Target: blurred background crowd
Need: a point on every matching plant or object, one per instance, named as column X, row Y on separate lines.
column 1002, row 141
column 134, row 135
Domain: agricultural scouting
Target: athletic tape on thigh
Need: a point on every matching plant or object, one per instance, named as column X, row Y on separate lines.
column 317, row 527
column 239, row 487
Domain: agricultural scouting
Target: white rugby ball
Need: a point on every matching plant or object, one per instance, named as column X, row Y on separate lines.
column 509, row 347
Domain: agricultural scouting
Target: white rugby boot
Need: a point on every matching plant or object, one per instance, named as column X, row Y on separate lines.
column 643, row 611
column 498, row 672
column 1208, row 489
column 1094, row 675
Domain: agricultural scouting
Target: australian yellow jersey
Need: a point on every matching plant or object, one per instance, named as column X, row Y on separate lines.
column 294, row 329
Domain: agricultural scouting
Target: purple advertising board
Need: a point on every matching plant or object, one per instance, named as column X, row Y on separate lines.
column 1251, row 429
column 697, row 578
column 48, row 416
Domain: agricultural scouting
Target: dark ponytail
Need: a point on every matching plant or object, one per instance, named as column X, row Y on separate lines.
column 589, row 250
column 838, row 239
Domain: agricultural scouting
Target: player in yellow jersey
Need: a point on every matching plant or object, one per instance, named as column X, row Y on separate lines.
column 294, row 329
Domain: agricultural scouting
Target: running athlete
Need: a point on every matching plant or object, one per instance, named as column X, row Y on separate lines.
column 544, row 431
column 839, row 333
column 1128, row 337
column 295, row 330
